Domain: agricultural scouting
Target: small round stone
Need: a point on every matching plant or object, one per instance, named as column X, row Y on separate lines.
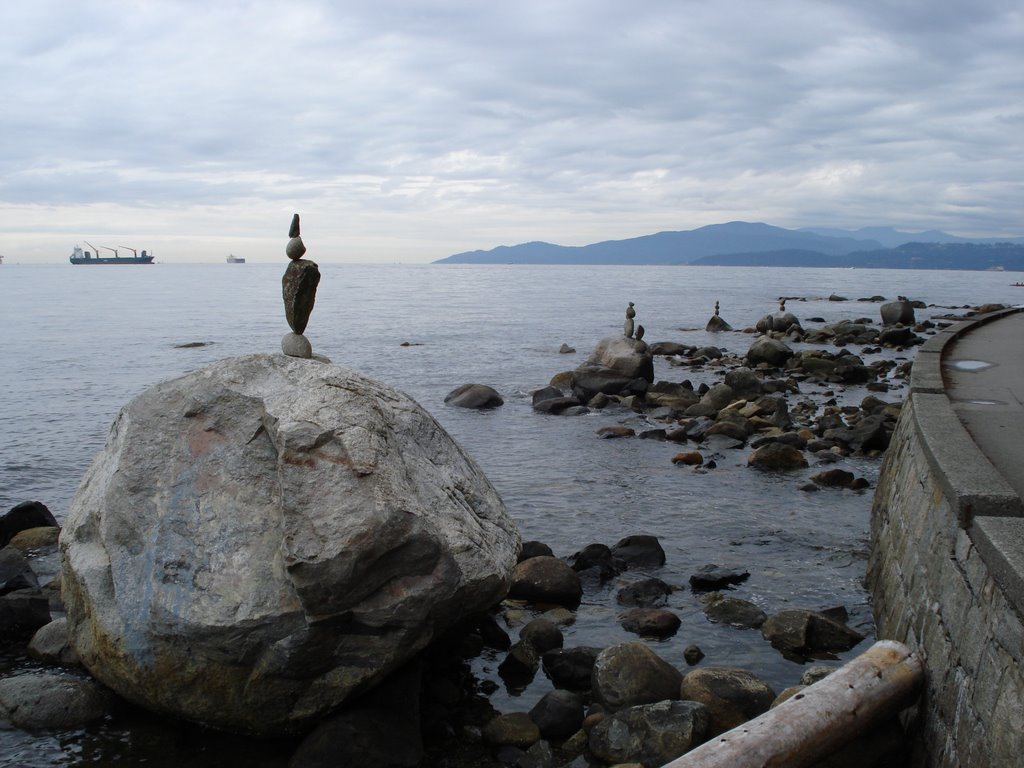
column 296, row 345
column 295, row 248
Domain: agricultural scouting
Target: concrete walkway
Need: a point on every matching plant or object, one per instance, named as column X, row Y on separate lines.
column 983, row 372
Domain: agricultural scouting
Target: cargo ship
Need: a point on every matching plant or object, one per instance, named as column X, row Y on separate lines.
column 232, row 259
column 78, row 256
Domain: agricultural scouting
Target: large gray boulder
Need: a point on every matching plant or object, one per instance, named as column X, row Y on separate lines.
column 261, row 539
column 615, row 364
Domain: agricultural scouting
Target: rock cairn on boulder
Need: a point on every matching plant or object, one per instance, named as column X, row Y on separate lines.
column 627, row 327
column 299, row 289
column 716, row 323
column 262, row 539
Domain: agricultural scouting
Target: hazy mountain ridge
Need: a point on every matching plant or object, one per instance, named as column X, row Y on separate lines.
column 951, row 255
column 755, row 244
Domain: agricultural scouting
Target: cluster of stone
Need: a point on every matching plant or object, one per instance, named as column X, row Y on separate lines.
column 628, row 327
column 717, row 323
column 299, row 289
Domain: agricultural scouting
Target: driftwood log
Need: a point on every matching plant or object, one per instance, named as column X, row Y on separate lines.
column 820, row 719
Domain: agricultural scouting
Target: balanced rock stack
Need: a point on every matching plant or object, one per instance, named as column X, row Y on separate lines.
column 299, row 288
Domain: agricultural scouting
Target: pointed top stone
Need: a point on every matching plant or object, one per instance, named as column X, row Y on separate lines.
column 293, row 230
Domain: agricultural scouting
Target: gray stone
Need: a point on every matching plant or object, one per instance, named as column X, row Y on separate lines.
column 770, row 351
column 623, row 356
column 639, row 550
column 897, row 312
column 650, row 734
column 713, row 576
column 476, row 396
column 732, row 695
column 650, row 622
column 50, row 644
column 777, row 457
column 27, row 514
column 298, row 286
column 558, row 714
column 265, row 537
column 798, row 632
column 546, row 580
column 631, row 673
column 296, row 345
column 733, row 611
column 51, row 700
column 381, row 729
column 571, row 667
column 514, row 729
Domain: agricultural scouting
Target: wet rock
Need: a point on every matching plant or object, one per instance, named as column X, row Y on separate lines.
column 597, row 556
column 689, row 458
column 546, row 580
column 639, row 550
column 23, row 611
column 379, row 729
column 650, row 734
column 519, row 666
column 648, row 593
column 870, row 433
column 799, row 632
column 565, row 349
column 834, row 478
column 33, row 540
column 692, row 655
column 51, row 700
column 15, row 572
column 717, row 325
column 474, row 396
column 668, row 348
column 769, row 351
column 570, row 668
column 514, row 729
column 631, row 673
column 897, row 312
column 712, row 576
column 50, row 644
column 558, row 714
column 777, row 457
column 743, row 381
column 733, row 611
column 732, row 695
column 534, row 549
column 650, row 622
column 615, row 430
column 542, row 634
column 27, row 514
column 897, row 337
column 730, row 428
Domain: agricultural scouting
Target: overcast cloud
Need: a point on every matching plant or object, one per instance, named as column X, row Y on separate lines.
column 408, row 131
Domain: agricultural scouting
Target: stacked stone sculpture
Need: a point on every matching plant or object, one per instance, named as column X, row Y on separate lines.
column 299, row 289
column 717, row 323
column 627, row 328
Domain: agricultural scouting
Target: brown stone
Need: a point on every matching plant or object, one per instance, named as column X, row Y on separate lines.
column 299, row 289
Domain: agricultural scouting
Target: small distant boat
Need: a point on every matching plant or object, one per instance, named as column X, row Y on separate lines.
column 1017, row 285
column 78, row 256
column 232, row 259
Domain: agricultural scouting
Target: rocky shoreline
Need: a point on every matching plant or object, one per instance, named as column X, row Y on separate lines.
column 613, row 705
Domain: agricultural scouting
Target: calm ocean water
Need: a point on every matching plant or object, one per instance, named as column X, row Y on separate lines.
column 78, row 343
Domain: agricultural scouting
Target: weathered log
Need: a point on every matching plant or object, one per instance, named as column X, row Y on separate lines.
column 820, row 719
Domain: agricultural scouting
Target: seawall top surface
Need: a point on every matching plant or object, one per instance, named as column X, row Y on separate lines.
column 983, row 371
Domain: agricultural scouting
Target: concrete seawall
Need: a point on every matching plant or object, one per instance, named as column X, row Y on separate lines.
column 947, row 542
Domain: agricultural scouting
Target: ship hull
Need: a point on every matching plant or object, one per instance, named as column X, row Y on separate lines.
column 113, row 260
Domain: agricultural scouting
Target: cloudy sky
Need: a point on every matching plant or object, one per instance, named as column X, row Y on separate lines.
column 408, row 131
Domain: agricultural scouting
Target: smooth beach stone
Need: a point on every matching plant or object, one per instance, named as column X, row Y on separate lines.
column 298, row 287
column 51, row 700
column 474, row 396
column 650, row 734
column 264, row 538
column 631, row 673
column 295, row 249
column 732, row 695
column 296, row 345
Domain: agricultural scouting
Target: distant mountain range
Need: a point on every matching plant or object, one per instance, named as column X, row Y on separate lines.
column 740, row 243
